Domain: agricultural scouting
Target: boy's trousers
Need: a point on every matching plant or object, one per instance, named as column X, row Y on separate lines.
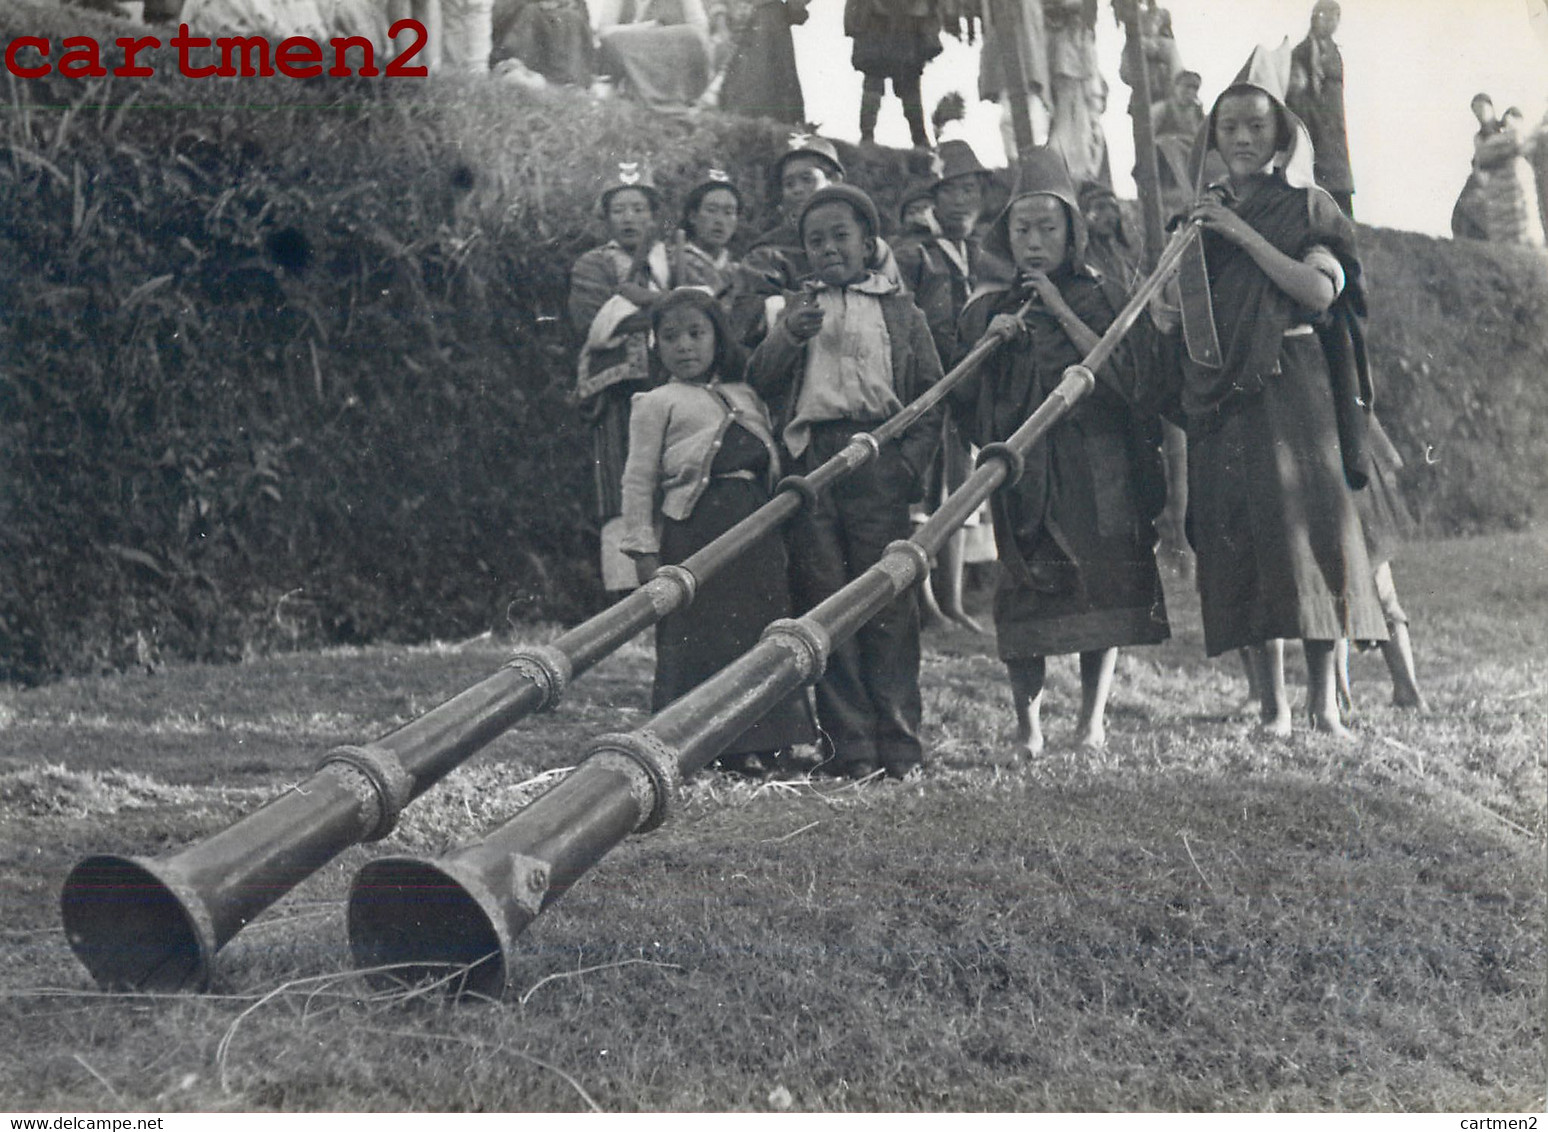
column 868, row 699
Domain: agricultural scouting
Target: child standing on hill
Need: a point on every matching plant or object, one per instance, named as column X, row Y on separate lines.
column 1076, row 533
column 702, row 457
column 612, row 289
column 1276, row 428
column 844, row 355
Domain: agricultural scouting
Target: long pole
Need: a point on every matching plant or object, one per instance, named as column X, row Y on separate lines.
column 157, row 923
column 1146, row 167
column 467, row 909
column 1009, row 22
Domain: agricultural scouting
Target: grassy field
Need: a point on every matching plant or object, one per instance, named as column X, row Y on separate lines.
column 1191, row 920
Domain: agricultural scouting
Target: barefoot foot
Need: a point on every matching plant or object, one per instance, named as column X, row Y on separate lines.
column 1029, row 743
column 1332, row 726
column 1091, row 738
column 962, row 619
column 1275, row 727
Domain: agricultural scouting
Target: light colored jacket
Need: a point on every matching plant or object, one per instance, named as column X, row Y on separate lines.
column 675, row 432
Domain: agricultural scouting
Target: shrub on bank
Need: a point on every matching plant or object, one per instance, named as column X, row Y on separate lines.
column 286, row 362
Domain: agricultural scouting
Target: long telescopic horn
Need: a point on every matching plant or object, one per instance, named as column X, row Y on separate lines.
column 466, row 909
column 156, row 924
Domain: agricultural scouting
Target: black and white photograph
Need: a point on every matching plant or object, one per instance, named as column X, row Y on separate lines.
column 774, row 557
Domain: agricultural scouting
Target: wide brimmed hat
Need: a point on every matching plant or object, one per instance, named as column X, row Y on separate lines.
column 1043, row 173
column 956, row 159
column 713, row 179
column 809, row 145
column 858, row 199
column 630, row 175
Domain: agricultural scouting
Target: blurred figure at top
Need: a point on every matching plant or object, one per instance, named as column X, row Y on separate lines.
column 1316, row 96
column 1079, row 91
column 894, row 39
column 549, row 37
column 1509, row 187
column 1016, row 35
column 760, row 78
column 1163, row 61
column 1181, row 113
column 658, row 50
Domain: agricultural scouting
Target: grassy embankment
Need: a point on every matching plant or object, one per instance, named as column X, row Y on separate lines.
column 285, row 366
column 1190, row 920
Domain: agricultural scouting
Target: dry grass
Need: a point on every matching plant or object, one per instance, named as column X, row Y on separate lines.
column 1189, row 921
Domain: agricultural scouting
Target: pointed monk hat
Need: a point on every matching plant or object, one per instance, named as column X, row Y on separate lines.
column 1043, row 173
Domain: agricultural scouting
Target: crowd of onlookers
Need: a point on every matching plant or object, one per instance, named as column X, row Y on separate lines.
column 706, row 377
column 711, row 366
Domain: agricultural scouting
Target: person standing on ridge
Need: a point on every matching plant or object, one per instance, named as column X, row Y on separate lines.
column 1316, row 96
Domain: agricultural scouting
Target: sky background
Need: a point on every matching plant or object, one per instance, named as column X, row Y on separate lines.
column 1411, row 69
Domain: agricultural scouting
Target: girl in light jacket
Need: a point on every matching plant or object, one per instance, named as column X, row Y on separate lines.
column 702, row 457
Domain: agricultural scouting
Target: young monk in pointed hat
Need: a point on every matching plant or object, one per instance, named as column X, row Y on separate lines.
column 1276, row 430
column 1076, row 533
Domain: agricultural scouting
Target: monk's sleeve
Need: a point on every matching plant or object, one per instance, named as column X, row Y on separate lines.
column 1341, row 332
column 963, row 399
column 1159, row 374
column 1117, row 377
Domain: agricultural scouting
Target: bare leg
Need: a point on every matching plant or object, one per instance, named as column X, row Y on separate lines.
column 949, row 569
column 1274, row 704
column 1254, row 693
column 1026, row 681
column 1399, row 655
column 1173, row 531
column 1096, row 684
column 1341, row 679
column 1398, row 650
column 871, row 91
column 1322, row 688
column 929, row 610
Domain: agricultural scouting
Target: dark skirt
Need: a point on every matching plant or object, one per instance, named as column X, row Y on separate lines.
column 761, row 79
column 728, row 614
column 608, row 414
column 1280, row 549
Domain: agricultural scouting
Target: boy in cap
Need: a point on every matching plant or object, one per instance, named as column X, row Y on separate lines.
column 842, row 356
column 942, row 271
